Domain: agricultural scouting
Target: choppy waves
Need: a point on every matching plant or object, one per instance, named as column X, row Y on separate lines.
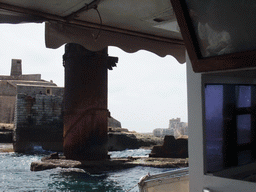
column 15, row 175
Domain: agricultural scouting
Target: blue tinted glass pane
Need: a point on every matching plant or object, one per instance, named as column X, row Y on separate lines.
column 214, row 128
column 243, row 94
column 243, row 129
column 244, row 157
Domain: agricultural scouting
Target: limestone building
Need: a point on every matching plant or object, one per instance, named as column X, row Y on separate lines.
column 38, row 118
column 161, row 132
column 176, row 128
column 34, row 106
column 8, row 89
column 179, row 128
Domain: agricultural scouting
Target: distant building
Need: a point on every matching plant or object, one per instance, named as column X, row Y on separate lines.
column 161, row 132
column 35, row 106
column 158, row 132
column 176, row 128
column 179, row 128
column 8, row 89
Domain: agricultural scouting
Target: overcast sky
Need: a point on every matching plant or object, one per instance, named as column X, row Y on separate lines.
column 145, row 90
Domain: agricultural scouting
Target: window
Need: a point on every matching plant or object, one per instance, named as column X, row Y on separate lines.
column 229, row 125
column 218, row 36
column 48, row 91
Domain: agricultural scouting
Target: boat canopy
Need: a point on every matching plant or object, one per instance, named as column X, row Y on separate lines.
column 131, row 25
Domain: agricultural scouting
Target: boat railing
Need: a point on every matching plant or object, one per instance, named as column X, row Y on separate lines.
column 177, row 175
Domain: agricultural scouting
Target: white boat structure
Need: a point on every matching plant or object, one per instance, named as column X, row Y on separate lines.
column 172, row 181
column 216, row 39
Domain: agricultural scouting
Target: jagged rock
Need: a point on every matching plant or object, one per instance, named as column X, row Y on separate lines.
column 120, row 141
column 6, row 132
column 53, row 156
column 148, row 140
column 113, row 123
column 6, row 137
column 117, row 129
column 108, row 165
column 88, row 166
column 172, row 148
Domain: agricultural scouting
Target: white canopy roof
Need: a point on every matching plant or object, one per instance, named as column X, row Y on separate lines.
column 128, row 24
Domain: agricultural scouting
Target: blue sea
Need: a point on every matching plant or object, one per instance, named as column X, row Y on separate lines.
column 15, row 174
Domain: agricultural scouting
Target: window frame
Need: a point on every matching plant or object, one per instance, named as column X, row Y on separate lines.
column 233, row 78
column 245, row 59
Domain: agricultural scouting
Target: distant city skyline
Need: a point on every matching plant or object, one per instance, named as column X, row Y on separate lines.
column 145, row 90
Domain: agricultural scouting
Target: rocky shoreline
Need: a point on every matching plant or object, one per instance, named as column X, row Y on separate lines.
column 54, row 161
column 119, row 141
column 119, row 138
column 6, row 132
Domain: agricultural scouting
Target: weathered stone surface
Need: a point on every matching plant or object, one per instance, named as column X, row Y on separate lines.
column 6, row 148
column 160, row 162
column 7, row 103
column 117, row 129
column 90, row 166
column 108, row 165
column 8, row 89
column 6, row 137
column 16, row 69
column 148, row 140
column 173, row 148
column 113, row 123
column 53, row 156
column 121, row 141
column 118, row 141
column 6, row 132
column 39, row 118
column 64, row 163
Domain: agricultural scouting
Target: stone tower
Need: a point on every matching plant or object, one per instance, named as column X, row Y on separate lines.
column 16, row 67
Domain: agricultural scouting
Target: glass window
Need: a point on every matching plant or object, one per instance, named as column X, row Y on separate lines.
column 214, row 22
column 214, row 128
column 243, row 94
column 243, row 129
column 228, row 126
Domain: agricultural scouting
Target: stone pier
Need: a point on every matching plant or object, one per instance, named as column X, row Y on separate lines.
column 85, row 103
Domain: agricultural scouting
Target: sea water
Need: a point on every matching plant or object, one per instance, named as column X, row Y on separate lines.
column 15, row 175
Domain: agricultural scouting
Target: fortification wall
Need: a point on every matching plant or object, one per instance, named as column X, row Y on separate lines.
column 7, row 89
column 33, row 77
column 38, row 118
column 7, row 107
column 33, row 90
column 7, row 102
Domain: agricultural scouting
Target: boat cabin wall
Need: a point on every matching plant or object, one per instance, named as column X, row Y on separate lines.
column 200, row 178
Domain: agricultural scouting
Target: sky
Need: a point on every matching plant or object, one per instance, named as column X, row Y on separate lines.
column 144, row 90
